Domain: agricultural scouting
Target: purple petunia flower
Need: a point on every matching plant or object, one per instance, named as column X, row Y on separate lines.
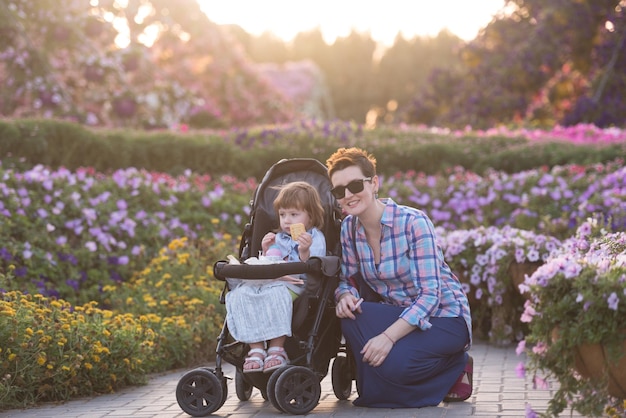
column 613, row 300
column 122, row 205
column 72, row 283
column 530, row 413
column 5, row 254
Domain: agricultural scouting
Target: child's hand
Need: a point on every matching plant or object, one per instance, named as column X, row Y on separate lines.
column 305, row 240
column 268, row 240
column 291, row 279
column 304, row 244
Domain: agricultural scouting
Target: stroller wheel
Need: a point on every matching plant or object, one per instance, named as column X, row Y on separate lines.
column 200, row 393
column 341, row 378
column 242, row 387
column 271, row 387
column 298, row 390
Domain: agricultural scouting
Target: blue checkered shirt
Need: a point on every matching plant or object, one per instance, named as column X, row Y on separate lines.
column 412, row 272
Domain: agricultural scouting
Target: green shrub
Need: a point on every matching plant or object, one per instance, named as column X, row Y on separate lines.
column 250, row 152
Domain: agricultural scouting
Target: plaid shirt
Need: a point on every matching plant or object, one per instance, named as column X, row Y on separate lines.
column 412, row 272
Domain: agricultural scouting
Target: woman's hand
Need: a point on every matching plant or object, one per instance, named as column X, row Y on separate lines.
column 377, row 349
column 347, row 305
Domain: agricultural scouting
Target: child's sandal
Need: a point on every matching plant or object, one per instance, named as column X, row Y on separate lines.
column 275, row 354
column 252, row 359
column 463, row 387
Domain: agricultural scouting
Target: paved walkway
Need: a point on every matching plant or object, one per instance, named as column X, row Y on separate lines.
column 498, row 392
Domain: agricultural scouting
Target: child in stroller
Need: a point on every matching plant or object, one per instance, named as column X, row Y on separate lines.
column 294, row 388
column 257, row 313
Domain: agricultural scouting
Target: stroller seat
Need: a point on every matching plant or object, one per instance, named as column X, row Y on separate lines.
column 294, row 388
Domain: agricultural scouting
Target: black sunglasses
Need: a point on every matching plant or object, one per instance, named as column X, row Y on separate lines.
column 355, row 186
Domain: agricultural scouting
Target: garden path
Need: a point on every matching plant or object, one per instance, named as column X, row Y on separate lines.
column 498, row 392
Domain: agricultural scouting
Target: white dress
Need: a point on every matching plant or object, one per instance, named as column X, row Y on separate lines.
column 256, row 313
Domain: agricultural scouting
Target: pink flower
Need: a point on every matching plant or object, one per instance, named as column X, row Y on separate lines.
column 529, row 312
column 520, row 370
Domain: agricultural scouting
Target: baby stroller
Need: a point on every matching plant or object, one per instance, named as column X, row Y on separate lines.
column 294, row 388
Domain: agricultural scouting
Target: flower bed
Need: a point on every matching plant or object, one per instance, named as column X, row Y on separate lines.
column 491, row 262
column 167, row 316
column 577, row 301
column 69, row 234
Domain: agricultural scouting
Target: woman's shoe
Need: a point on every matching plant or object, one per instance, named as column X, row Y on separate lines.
column 463, row 387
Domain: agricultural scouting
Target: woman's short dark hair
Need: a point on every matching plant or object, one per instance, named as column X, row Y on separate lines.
column 348, row 157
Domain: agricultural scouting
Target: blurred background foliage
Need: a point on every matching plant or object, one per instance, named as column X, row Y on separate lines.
column 163, row 64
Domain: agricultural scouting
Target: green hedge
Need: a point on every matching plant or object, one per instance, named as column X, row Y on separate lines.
column 249, row 153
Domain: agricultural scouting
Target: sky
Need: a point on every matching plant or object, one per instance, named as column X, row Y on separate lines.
column 336, row 18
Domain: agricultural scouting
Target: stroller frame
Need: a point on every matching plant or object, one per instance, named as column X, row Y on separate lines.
column 296, row 387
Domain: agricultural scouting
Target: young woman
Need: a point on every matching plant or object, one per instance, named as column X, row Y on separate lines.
column 260, row 314
column 411, row 335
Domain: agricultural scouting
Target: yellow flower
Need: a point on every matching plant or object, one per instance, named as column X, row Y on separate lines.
column 88, row 366
column 65, row 368
column 41, row 359
column 7, row 311
column 29, row 331
column 177, row 243
column 182, row 258
column 12, row 356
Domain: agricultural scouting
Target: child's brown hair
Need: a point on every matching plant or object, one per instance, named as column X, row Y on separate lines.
column 301, row 195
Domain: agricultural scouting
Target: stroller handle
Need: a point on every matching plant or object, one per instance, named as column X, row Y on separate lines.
column 328, row 266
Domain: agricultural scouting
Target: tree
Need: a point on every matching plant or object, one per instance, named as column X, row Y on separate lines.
column 405, row 67
column 149, row 63
column 539, row 63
